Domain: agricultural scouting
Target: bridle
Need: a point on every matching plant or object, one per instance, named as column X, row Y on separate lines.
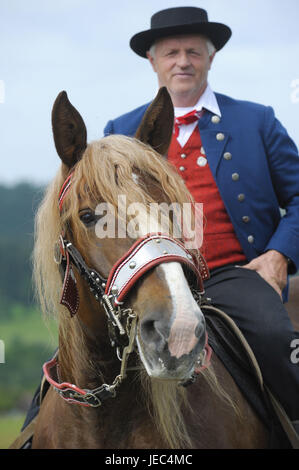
column 146, row 253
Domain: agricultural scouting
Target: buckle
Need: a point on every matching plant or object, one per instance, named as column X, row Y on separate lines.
column 92, row 400
column 110, row 311
column 59, row 250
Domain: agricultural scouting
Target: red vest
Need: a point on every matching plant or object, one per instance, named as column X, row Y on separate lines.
column 220, row 244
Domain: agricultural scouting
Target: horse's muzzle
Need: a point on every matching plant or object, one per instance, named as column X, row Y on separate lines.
column 171, row 350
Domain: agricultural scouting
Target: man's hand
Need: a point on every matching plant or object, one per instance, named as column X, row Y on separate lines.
column 273, row 267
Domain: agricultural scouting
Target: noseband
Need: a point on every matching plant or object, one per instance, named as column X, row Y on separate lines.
column 144, row 254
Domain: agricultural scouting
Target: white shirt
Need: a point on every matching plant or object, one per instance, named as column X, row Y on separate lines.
column 208, row 101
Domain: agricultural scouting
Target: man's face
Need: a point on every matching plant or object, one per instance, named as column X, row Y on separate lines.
column 182, row 64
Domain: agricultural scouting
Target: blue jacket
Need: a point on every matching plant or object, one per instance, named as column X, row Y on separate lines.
column 267, row 162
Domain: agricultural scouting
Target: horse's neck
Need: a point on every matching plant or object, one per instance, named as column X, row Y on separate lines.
column 84, row 364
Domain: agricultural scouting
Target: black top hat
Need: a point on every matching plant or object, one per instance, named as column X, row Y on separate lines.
column 181, row 20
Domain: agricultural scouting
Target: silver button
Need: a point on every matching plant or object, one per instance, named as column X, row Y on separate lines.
column 114, row 290
column 215, row 119
column 241, row 197
column 183, row 155
column 227, row 156
column 251, row 239
column 182, row 168
column 220, row 136
column 235, row 177
column 246, row 219
column 202, row 161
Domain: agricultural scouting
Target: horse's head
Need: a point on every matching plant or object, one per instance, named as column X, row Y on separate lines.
column 109, row 188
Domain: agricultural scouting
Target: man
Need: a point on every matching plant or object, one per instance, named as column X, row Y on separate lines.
column 239, row 161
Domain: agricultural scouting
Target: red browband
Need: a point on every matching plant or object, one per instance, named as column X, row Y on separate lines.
column 64, row 190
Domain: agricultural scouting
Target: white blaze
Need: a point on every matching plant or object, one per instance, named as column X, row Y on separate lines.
column 186, row 313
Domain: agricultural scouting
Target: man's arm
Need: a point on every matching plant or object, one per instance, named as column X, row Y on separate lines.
column 282, row 251
column 284, row 168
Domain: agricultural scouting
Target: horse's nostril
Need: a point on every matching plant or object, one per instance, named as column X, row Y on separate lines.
column 200, row 329
column 152, row 333
column 147, row 329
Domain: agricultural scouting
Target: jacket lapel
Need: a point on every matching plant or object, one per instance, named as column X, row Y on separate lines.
column 214, row 138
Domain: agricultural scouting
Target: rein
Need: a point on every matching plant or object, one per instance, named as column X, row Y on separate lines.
column 146, row 253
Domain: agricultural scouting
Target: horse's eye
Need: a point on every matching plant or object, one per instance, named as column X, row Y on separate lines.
column 88, row 218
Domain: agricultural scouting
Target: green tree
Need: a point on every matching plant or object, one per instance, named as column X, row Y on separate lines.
column 17, row 211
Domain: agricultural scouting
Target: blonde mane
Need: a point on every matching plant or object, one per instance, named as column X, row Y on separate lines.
column 105, row 172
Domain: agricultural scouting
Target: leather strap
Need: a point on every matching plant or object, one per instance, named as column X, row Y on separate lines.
column 69, row 294
column 284, row 421
column 146, row 253
column 25, row 436
column 73, row 394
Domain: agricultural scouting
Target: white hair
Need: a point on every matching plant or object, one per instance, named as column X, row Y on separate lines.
column 210, row 46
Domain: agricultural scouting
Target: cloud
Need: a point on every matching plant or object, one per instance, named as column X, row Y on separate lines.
column 82, row 46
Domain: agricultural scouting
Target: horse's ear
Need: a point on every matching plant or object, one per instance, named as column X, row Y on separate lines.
column 69, row 131
column 157, row 124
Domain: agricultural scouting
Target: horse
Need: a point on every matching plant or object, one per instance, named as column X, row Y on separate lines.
column 129, row 341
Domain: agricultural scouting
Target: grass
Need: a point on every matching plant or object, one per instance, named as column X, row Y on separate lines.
column 29, row 325
column 10, row 426
column 28, row 343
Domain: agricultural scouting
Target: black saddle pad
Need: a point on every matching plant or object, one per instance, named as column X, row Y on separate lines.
column 230, row 350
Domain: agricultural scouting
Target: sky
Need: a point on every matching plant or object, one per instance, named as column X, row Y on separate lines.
column 82, row 46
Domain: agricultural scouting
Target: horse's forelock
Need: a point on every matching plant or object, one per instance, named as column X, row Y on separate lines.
column 119, row 165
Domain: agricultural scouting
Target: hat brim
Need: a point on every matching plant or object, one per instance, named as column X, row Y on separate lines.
column 218, row 33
